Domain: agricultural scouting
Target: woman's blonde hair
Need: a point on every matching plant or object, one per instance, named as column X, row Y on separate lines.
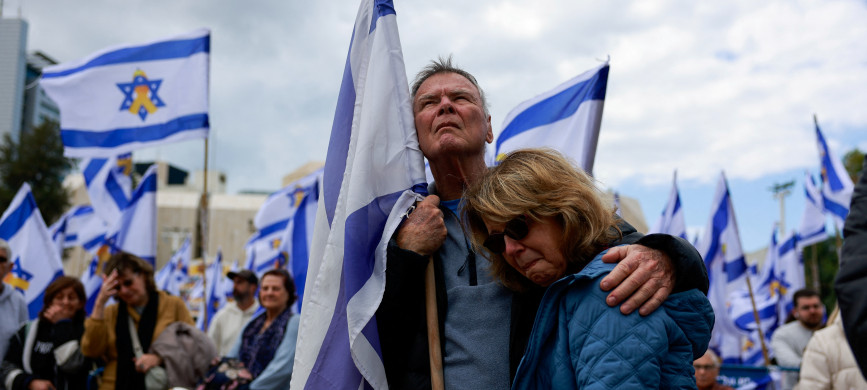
column 539, row 183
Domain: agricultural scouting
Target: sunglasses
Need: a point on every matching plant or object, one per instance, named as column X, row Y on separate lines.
column 3, row 259
column 515, row 229
column 704, row 366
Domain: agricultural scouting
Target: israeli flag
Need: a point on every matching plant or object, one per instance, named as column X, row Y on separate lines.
column 92, row 282
column 837, row 187
column 109, row 185
column 812, row 228
column 263, row 248
column 136, row 231
column 373, row 163
column 727, row 271
column 672, row 220
column 229, row 284
column 566, row 118
column 766, row 299
column 132, row 96
column 789, row 274
column 76, row 227
column 176, row 273
column 298, row 236
column 214, row 296
column 35, row 261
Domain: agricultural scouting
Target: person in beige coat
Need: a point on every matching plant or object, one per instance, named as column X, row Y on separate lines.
column 106, row 331
column 828, row 361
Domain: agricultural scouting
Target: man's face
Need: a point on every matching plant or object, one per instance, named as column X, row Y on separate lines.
column 809, row 311
column 706, row 371
column 449, row 117
column 242, row 289
column 5, row 264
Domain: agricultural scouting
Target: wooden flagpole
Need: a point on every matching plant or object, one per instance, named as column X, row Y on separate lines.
column 433, row 328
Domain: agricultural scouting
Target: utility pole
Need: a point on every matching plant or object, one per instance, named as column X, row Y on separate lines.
column 781, row 191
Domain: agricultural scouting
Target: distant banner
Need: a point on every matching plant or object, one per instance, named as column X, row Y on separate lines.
column 748, row 377
column 133, row 96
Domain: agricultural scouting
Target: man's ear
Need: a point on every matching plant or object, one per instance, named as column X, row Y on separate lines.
column 489, row 137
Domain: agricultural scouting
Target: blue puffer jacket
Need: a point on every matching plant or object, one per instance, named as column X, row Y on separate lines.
column 579, row 342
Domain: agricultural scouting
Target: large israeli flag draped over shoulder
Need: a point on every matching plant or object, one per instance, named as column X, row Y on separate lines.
column 133, row 96
column 35, row 263
column 136, row 232
column 727, row 270
column 812, row 228
column 566, row 118
column 373, row 162
column 672, row 220
column 837, row 187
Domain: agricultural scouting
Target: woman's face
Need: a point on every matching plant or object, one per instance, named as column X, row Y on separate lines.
column 68, row 302
column 131, row 288
column 272, row 295
column 537, row 256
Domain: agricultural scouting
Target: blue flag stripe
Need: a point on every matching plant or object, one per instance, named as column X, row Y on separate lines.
column 338, row 145
column 17, row 218
column 828, row 167
column 76, row 138
column 165, row 50
column 557, row 107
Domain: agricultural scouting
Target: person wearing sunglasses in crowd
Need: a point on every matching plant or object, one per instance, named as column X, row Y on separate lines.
column 12, row 303
column 543, row 225
column 45, row 353
column 485, row 326
column 107, row 333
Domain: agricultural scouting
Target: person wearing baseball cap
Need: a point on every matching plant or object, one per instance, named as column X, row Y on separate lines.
column 228, row 322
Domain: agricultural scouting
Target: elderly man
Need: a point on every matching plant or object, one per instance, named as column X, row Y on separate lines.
column 12, row 303
column 229, row 321
column 484, row 327
column 790, row 340
column 706, row 371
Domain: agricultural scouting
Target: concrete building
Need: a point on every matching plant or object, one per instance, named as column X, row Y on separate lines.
column 13, row 70
column 23, row 102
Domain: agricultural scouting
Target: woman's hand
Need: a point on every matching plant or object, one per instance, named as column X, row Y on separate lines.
column 57, row 312
column 645, row 276
column 40, row 384
column 108, row 290
column 243, row 373
column 146, row 362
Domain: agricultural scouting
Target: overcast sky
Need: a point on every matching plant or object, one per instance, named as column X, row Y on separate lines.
column 698, row 87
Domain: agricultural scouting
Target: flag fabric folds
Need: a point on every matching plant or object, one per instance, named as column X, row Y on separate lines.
column 372, row 165
column 789, row 274
column 214, row 297
column 175, row 273
column 567, row 118
column 727, row 271
column 77, row 227
column 298, row 236
column 35, row 261
column 92, row 282
column 136, row 232
column 132, row 96
column 672, row 220
column 109, row 185
column 837, row 187
column 812, row 228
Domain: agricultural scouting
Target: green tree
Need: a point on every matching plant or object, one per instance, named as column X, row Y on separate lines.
column 854, row 162
column 37, row 158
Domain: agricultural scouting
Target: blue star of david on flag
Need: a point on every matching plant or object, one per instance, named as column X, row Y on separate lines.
column 20, row 277
column 140, row 96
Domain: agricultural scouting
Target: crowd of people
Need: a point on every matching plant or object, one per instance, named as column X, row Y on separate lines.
column 538, row 284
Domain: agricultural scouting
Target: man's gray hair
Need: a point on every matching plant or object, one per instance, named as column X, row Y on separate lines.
column 713, row 356
column 5, row 246
column 444, row 65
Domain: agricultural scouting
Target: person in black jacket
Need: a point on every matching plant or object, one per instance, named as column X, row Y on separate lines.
column 851, row 284
column 45, row 353
column 484, row 327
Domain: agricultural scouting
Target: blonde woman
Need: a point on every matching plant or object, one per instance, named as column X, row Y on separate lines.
column 541, row 222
